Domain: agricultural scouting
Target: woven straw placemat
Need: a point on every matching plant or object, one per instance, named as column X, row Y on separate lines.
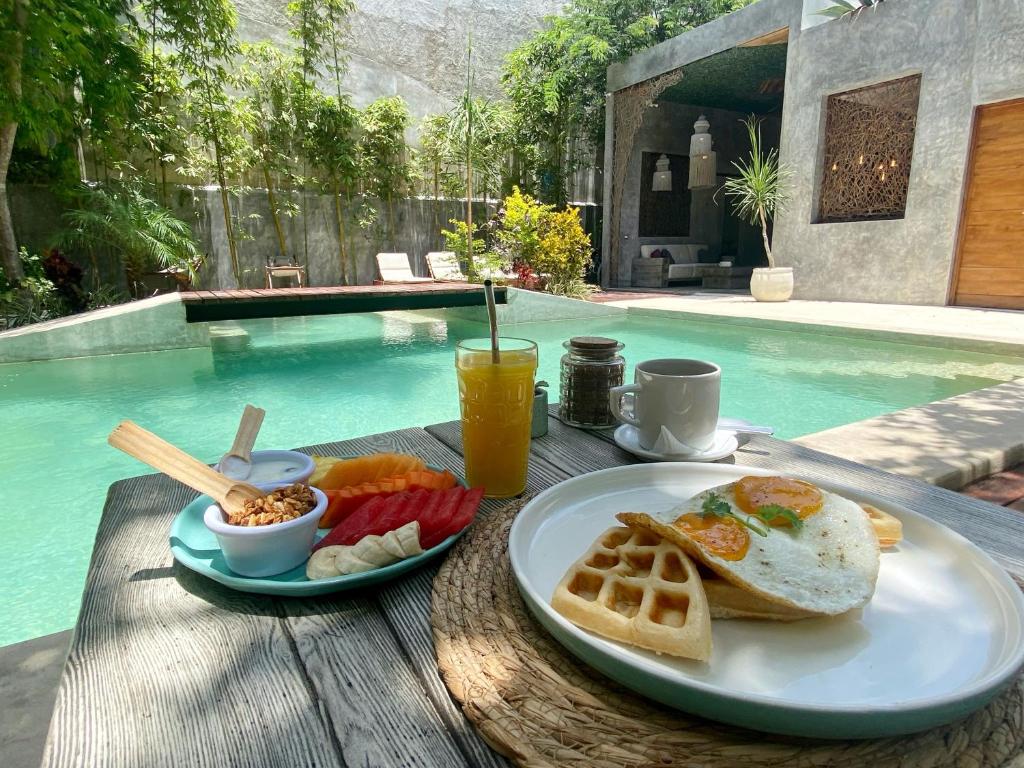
column 536, row 704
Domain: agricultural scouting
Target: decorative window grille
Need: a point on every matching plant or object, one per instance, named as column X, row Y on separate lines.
column 869, row 142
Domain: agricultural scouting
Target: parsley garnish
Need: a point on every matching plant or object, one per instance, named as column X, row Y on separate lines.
column 715, row 505
column 771, row 511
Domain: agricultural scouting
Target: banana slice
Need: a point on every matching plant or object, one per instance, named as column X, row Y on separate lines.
column 322, row 564
column 368, row 553
column 403, row 542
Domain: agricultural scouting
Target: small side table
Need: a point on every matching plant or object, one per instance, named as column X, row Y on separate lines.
column 293, row 271
column 714, row 276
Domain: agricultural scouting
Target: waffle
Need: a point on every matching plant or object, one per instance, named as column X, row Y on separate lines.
column 888, row 528
column 728, row 601
column 632, row 587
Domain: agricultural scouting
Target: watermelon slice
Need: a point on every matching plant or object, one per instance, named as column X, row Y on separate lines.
column 359, row 520
column 429, row 512
column 463, row 515
column 440, row 514
column 405, row 512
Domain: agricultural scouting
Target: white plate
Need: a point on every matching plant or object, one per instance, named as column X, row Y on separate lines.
column 628, row 439
column 943, row 634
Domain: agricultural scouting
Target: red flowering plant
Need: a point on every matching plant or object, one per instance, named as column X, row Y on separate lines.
column 66, row 277
column 525, row 276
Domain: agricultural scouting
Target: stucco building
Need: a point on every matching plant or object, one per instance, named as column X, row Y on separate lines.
column 902, row 130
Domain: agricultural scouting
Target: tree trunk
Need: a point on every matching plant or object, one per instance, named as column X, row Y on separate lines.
column 469, row 196
column 350, row 244
column 339, row 214
column 764, row 236
column 232, row 249
column 437, row 195
column 391, row 220
column 272, row 202
column 8, row 243
column 163, row 184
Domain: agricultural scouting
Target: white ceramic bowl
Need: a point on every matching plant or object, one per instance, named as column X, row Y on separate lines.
column 291, row 467
column 266, row 550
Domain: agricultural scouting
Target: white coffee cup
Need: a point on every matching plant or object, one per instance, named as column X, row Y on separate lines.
column 676, row 396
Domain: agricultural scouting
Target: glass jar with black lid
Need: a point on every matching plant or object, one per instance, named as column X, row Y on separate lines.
column 590, row 368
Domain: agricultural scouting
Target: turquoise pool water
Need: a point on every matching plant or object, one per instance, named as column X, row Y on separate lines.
column 330, row 378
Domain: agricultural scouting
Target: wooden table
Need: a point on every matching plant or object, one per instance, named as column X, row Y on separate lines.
column 168, row 668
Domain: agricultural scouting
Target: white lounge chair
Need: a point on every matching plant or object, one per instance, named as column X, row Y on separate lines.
column 394, row 268
column 444, row 266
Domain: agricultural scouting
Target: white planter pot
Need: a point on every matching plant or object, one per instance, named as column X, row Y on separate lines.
column 772, row 284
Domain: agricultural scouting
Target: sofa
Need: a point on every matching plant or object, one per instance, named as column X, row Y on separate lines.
column 659, row 265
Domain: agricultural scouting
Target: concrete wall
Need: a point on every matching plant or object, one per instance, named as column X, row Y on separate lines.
column 667, row 128
column 968, row 52
column 314, row 243
column 415, row 49
column 418, row 222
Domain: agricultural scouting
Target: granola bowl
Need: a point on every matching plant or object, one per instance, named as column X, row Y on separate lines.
column 266, row 549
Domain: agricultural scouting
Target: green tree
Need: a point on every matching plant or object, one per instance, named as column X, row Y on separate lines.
column 434, row 157
column 384, row 155
column 331, row 145
column 66, row 67
column 556, row 80
column 271, row 78
column 158, row 126
column 204, row 33
column 317, row 26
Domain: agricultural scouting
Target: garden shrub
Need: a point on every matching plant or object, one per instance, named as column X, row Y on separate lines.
column 546, row 246
column 486, row 263
column 31, row 300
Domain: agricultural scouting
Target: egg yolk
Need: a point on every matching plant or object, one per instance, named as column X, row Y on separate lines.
column 752, row 493
column 722, row 536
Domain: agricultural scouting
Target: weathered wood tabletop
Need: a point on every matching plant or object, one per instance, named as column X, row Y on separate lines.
column 168, row 668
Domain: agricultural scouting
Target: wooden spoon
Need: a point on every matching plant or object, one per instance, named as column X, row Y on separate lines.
column 237, row 463
column 174, row 462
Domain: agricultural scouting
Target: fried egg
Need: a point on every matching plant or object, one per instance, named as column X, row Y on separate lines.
column 784, row 540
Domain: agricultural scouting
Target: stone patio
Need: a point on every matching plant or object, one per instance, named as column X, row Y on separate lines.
column 984, row 330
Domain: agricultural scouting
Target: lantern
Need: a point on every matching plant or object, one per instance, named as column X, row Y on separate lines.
column 662, row 176
column 703, row 160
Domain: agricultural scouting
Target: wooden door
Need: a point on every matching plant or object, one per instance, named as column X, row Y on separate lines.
column 989, row 270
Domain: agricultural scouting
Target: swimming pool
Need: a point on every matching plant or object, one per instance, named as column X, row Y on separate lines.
column 329, row 378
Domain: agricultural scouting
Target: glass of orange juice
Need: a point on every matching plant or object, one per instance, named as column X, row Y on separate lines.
column 496, row 399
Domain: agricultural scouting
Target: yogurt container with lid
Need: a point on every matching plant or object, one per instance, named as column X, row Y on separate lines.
column 279, row 467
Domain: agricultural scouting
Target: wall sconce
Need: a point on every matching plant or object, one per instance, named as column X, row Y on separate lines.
column 662, row 176
column 703, row 160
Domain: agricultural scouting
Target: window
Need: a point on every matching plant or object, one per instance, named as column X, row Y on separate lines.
column 869, row 141
column 665, row 214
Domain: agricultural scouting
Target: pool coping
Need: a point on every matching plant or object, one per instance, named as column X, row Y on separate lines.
column 948, row 443
column 961, row 342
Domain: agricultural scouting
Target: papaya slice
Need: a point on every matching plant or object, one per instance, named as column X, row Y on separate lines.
column 368, row 469
column 351, row 498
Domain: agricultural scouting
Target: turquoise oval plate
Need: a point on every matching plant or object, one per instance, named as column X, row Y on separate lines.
column 195, row 547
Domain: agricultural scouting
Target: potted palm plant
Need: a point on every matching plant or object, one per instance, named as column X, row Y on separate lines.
column 758, row 193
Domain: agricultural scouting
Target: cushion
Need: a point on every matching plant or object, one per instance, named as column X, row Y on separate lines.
column 677, row 253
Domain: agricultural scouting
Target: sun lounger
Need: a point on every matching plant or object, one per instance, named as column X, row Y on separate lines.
column 444, row 266
column 394, row 268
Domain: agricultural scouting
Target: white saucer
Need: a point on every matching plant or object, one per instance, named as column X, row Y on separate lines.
column 725, row 445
